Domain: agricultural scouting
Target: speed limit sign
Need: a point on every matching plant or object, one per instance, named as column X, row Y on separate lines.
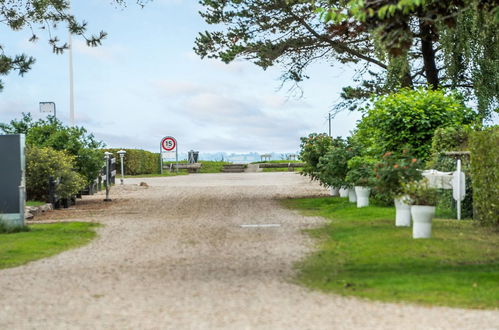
column 168, row 148
column 169, row 144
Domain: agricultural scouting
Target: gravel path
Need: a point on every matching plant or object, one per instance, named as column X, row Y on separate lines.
column 173, row 256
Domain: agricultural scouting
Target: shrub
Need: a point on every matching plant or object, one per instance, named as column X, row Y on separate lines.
column 393, row 171
column 420, row 192
column 410, row 117
column 137, row 161
column 361, row 171
column 484, row 147
column 41, row 164
column 52, row 133
column 313, row 148
column 332, row 167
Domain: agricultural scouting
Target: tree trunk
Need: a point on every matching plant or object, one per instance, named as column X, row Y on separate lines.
column 430, row 67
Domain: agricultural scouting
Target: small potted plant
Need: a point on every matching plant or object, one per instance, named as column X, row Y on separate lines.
column 392, row 172
column 423, row 199
column 361, row 176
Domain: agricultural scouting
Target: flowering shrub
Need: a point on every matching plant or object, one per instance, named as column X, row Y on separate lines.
column 393, row 170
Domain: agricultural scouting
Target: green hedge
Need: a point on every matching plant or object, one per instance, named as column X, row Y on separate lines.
column 137, row 161
column 484, row 147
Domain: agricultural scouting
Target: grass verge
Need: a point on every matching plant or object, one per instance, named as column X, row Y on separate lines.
column 362, row 253
column 43, row 240
column 35, row 203
column 282, row 169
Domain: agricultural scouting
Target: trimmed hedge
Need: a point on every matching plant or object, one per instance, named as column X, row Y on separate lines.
column 137, row 161
column 484, row 147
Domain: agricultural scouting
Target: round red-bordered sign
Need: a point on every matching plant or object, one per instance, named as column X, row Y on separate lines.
column 169, row 143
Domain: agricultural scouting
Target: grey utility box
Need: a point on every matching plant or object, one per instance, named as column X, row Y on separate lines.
column 12, row 180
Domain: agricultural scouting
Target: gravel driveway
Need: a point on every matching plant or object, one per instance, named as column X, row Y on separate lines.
column 174, row 256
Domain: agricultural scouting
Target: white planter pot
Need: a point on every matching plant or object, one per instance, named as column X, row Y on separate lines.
column 334, row 191
column 352, row 197
column 402, row 212
column 343, row 192
column 421, row 218
column 362, row 196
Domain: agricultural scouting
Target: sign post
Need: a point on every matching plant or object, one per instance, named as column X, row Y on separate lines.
column 168, row 151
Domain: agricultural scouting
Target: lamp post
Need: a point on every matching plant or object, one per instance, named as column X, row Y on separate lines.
column 122, row 157
column 107, row 156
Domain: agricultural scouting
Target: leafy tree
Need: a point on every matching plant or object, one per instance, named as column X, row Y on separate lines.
column 42, row 15
column 409, row 118
column 457, row 41
column 52, row 133
column 284, row 32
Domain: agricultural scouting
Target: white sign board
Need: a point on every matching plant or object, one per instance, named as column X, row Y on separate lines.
column 47, row 107
column 168, row 148
column 458, row 188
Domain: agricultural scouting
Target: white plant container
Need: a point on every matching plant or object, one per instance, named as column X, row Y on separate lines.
column 352, row 197
column 334, row 191
column 422, row 216
column 402, row 212
column 343, row 192
column 362, row 194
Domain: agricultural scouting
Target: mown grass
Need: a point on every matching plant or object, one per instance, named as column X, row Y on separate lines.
column 281, row 169
column 35, row 203
column 362, row 253
column 206, row 167
column 277, row 161
column 153, row 175
column 43, row 240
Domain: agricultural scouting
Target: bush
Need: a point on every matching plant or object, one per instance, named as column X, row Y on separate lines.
column 137, row 161
column 393, row 171
column 361, row 171
column 41, row 164
column 332, row 167
column 410, row 117
column 484, row 147
column 420, row 193
column 313, row 148
column 52, row 133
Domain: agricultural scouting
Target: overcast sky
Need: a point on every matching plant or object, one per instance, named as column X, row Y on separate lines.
column 146, row 82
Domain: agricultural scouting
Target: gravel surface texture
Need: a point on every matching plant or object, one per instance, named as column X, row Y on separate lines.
column 174, row 256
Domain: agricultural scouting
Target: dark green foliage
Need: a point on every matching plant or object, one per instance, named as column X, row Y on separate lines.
column 137, row 161
column 420, row 193
column 312, row 148
column 409, row 118
column 484, row 147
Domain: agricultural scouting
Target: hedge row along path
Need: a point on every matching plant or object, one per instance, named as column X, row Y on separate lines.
column 173, row 256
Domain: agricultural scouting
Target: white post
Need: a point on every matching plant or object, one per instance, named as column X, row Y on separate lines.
column 122, row 157
column 71, row 89
column 459, row 189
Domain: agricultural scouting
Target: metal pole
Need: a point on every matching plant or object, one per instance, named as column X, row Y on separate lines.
column 71, row 87
column 329, row 117
column 459, row 189
column 107, row 157
column 122, row 169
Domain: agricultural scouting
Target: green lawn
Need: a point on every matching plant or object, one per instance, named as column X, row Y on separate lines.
column 362, row 253
column 42, row 241
column 34, row 203
column 207, row 167
column 278, row 161
column 281, row 169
